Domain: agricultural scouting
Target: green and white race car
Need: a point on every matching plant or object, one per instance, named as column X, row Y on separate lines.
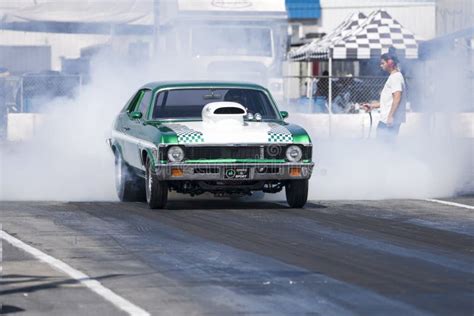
column 221, row 137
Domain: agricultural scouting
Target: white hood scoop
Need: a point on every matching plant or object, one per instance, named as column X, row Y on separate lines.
column 224, row 113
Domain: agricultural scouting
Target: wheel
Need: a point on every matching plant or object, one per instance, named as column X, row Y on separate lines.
column 156, row 190
column 129, row 186
column 297, row 193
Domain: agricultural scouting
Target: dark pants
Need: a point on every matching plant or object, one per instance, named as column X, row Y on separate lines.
column 387, row 133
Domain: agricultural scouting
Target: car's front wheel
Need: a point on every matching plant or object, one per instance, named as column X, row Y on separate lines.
column 296, row 193
column 129, row 187
column 156, row 190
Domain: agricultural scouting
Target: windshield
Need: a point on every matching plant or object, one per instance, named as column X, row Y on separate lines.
column 232, row 41
column 188, row 103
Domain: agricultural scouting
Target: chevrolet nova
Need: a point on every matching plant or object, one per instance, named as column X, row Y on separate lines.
column 219, row 137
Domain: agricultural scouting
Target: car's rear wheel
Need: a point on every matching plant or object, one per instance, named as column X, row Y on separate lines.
column 296, row 193
column 156, row 190
column 129, row 186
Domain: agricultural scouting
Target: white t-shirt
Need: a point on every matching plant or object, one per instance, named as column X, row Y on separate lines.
column 395, row 82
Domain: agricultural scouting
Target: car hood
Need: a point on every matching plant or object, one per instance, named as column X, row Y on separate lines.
column 228, row 132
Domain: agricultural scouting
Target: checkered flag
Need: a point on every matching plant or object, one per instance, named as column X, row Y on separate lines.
column 279, row 134
column 186, row 135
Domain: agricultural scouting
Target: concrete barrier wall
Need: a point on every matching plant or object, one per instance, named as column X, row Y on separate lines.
column 22, row 126
column 359, row 125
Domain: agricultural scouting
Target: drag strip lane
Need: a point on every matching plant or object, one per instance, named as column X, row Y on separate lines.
column 333, row 257
column 92, row 284
column 292, row 236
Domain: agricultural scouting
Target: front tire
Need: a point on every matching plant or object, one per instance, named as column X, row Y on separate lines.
column 156, row 190
column 129, row 187
column 296, row 193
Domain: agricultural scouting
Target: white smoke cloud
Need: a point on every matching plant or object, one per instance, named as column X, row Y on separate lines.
column 433, row 156
column 68, row 158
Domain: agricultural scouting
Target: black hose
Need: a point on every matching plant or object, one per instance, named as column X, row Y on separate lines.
column 371, row 122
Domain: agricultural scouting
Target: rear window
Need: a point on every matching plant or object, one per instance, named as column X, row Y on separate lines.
column 188, row 103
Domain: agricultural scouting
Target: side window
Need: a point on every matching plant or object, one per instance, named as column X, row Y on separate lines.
column 144, row 102
column 158, row 104
column 133, row 103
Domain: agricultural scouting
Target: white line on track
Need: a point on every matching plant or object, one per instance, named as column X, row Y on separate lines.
column 94, row 285
column 469, row 207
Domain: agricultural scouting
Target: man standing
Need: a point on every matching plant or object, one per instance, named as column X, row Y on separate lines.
column 392, row 100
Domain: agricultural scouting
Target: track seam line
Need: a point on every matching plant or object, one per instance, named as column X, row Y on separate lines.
column 92, row 284
column 469, row 207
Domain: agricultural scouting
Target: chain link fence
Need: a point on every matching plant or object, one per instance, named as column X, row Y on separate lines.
column 9, row 88
column 12, row 92
column 313, row 95
column 36, row 90
column 29, row 93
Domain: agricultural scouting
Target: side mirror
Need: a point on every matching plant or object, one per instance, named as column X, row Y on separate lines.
column 284, row 114
column 136, row 115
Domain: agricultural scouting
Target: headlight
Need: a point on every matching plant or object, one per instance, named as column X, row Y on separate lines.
column 175, row 154
column 294, row 153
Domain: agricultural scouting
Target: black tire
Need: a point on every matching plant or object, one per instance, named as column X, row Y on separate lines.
column 156, row 190
column 296, row 193
column 129, row 186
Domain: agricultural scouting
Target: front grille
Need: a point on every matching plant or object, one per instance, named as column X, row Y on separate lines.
column 240, row 152
column 211, row 152
column 268, row 170
column 206, row 170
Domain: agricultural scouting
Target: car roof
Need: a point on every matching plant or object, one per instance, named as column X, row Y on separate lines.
column 200, row 84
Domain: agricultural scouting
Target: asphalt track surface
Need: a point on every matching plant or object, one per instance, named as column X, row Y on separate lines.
column 225, row 257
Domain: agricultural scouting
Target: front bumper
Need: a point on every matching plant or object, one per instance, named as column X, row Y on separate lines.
column 221, row 171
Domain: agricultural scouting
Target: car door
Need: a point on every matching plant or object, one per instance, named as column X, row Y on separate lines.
column 125, row 126
column 136, row 128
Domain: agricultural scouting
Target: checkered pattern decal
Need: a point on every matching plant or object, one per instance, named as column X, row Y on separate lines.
column 186, row 135
column 279, row 134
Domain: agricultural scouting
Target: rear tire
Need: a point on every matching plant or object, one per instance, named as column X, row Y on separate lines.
column 156, row 190
column 296, row 193
column 129, row 186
